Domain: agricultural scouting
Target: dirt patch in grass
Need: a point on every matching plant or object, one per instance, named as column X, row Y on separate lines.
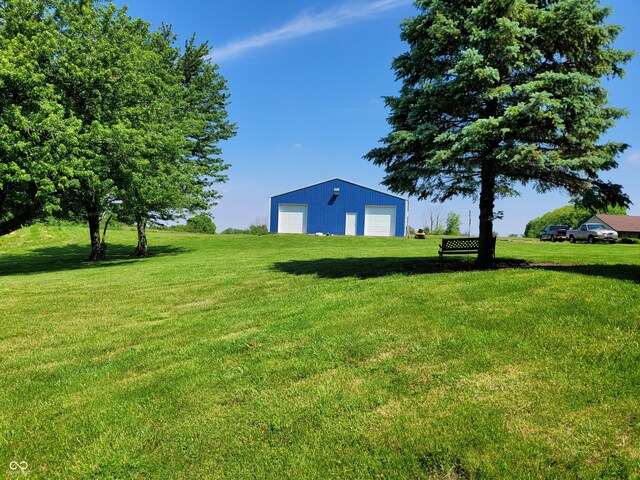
column 382, row 357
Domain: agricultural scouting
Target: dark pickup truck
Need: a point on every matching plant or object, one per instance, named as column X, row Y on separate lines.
column 554, row 233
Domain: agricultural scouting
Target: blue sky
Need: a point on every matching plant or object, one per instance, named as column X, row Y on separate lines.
column 306, row 80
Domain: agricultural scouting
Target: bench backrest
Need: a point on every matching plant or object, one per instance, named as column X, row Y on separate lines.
column 467, row 243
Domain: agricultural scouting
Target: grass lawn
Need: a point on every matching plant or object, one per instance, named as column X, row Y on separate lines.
column 316, row 357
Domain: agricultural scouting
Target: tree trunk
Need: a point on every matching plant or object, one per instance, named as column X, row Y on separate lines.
column 98, row 248
column 141, row 249
column 487, row 201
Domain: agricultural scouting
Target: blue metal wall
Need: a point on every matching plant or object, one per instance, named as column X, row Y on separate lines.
column 327, row 212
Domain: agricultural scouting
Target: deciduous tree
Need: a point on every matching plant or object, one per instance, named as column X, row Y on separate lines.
column 98, row 110
column 106, row 73
column 183, row 172
column 432, row 220
column 453, row 224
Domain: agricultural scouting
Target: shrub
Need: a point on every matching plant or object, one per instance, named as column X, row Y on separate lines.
column 199, row 224
column 630, row 241
column 439, row 230
column 258, row 229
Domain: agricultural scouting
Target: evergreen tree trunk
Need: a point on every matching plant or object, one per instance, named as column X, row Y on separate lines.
column 141, row 249
column 98, row 248
column 487, row 200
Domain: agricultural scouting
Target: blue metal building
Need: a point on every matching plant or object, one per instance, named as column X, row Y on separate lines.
column 339, row 207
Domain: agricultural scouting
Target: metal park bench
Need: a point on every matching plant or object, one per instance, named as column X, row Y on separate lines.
column 461, row 246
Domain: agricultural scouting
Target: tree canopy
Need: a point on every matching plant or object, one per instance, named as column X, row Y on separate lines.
column 500, row 93
column 36, row 135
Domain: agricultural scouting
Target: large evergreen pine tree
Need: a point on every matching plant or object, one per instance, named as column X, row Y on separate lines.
column 497, row 93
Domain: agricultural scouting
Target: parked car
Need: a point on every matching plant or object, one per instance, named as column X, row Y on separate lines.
column 554, row 233
column 592, row 233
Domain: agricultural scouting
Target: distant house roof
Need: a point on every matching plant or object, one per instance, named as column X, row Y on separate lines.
column 621, row 223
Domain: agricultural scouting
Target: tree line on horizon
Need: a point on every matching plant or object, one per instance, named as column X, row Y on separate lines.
column 99, row 113
column 571, row 215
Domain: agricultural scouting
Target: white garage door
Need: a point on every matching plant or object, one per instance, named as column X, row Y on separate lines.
column 380, row 221
column 292, row 219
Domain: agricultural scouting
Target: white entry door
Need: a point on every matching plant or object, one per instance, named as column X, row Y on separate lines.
column 292, row 218
column 380, row 221
column 351, row 222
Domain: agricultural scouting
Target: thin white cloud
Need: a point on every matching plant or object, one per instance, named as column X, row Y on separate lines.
column 297, row 145
column 307, row 24
column 633, row 157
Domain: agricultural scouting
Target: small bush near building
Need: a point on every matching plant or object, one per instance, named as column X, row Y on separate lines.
column 258, row 229
column 630, row 241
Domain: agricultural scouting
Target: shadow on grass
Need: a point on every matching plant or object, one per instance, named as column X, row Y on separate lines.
column 374, row 267
column 615, row 272
column 73, row 257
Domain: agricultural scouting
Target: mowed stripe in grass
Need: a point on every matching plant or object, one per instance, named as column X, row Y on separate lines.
column 316, row 357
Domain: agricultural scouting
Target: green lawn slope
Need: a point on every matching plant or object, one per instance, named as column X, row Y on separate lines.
column 316, row 357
